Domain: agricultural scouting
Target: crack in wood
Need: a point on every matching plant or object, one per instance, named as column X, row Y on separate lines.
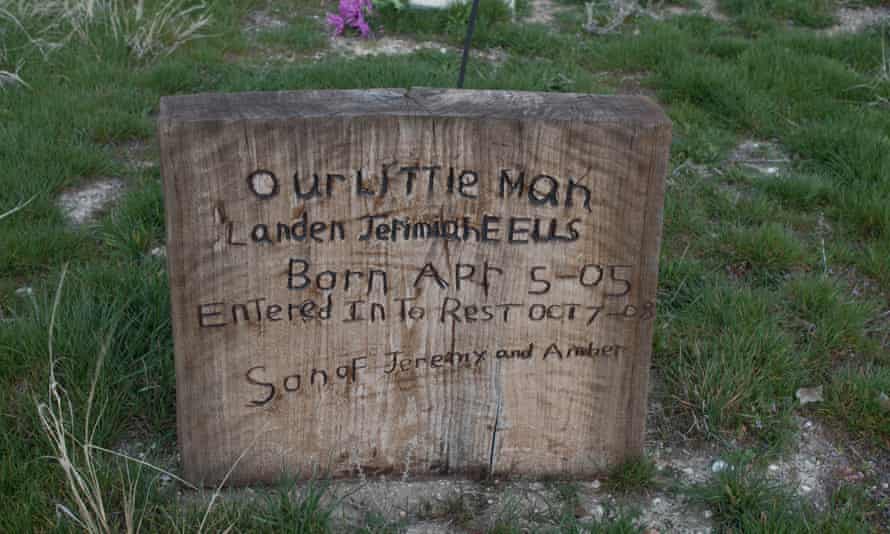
column 497, row 418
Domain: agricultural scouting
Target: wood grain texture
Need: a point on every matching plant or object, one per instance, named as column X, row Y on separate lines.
column 525, row 226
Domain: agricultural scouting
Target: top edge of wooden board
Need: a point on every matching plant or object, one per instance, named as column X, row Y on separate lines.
column 459, row 103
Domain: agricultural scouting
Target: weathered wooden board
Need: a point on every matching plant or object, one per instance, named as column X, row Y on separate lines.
column 423, row 281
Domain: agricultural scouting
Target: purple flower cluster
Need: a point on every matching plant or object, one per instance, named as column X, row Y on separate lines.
column 351, row 15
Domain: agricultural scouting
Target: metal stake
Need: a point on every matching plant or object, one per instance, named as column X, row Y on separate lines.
column 471, row 25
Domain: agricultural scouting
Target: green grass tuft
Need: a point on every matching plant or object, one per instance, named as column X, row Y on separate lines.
column 633, row 475
column 858, row 397
column 743, row 499
column 768, row 249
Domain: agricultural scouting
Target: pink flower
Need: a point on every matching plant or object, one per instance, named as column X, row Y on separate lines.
column 351, row 14
column 336, row 23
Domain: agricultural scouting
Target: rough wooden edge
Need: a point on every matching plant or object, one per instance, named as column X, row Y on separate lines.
column 422, row 102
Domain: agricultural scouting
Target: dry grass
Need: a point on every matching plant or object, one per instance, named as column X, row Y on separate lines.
column 75, row 453
column 24, row 204
column 10, row 78
column 74, row 450
column 146, row 31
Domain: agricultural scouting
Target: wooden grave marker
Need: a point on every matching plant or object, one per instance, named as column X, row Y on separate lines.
column 424, row 281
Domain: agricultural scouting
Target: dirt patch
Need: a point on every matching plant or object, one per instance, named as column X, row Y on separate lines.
column 765, row 157
column 136, row 154
column 854, row 20
column 262, row 20
column 709, row 8
column 632, row 84
column 457, row 505
column 543, row 12
column 400, row 46
column 385, row 46
column 83, row 204
column 816, row 466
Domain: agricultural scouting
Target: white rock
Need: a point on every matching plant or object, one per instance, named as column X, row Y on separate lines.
column 708, row 514
column 159, row 252
column 26, row 291
column 595, row 484
column 773, row 467
column 808, row 395
column 718, row 466
column 806, row 489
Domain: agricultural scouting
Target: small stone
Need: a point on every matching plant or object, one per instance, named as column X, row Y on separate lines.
column 159, row 252
column 490, row 501
column 596, row 484
column 597, row 512
column 656, row 501
column 808, row 395
column 26, row 291
column 806, row 489
column 402, row 513
column 773, row 467
column 708, row 514
column 443, row 50
column 718, row 466
column 885, row 485
column 808, row 424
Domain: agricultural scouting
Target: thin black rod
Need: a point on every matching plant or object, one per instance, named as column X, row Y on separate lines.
column 471, row 25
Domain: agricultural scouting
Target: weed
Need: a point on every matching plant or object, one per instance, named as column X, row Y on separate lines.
column 858, row 396
column 633, row 475
column 158, row 28
column 768, row 249
column 507, row 518
column 831, row 321
column 743, row 499
column 306, row 512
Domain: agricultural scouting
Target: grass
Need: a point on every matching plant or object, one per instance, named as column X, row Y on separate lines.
column 633, row 475
column 762, row 277
column 744, row 499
